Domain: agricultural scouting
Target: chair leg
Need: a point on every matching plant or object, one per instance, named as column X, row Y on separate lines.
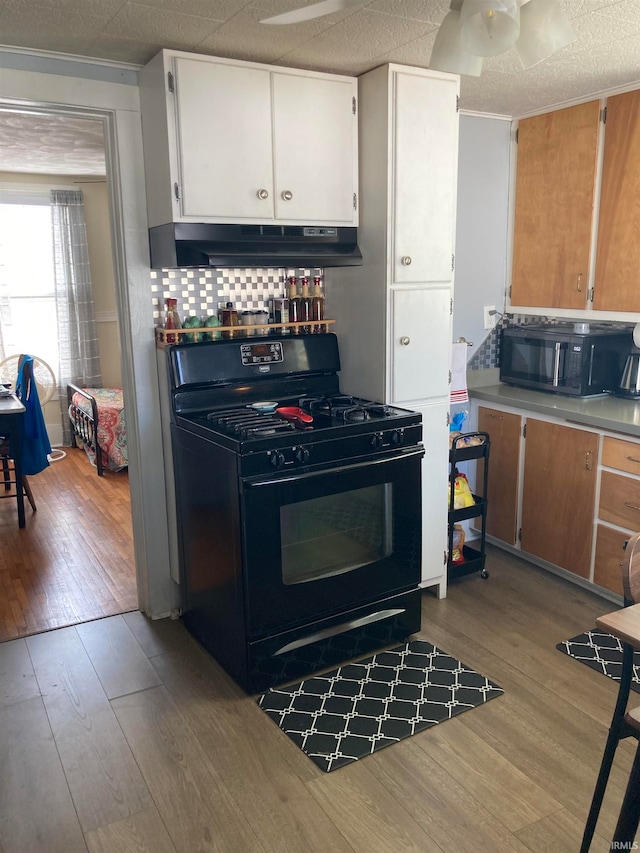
column 5, row 473
column 29, row 493
column 617, row 730
column 629, row 817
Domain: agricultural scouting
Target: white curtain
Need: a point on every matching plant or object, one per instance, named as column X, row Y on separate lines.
column 77, row 335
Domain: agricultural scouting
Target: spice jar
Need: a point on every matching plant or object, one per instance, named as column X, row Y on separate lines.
column 171, row 319
column 229, row 318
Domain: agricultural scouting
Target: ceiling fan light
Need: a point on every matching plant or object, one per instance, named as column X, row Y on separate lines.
column 544, row 30
column 448, row 54
column 489, row 27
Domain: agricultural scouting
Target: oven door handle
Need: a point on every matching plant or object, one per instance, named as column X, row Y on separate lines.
column 341, row 469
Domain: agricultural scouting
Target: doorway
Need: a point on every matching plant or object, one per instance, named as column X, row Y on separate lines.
column 74, row 560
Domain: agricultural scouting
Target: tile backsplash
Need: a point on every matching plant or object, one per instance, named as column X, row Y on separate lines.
column 204, row 291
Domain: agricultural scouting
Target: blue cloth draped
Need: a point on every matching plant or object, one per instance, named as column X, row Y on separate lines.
column 35, row 441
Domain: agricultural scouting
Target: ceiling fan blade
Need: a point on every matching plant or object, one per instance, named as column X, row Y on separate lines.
column 315, row 10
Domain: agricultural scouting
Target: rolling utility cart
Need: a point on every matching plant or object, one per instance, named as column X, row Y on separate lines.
column 471, row 557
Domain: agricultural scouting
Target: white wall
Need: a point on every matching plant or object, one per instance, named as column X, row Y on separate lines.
column 482, row 224
column 111, row 94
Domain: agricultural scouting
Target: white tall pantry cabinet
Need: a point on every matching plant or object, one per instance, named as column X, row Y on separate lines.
column 394, row 312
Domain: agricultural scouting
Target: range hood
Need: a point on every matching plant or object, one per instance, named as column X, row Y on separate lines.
column 179, row 245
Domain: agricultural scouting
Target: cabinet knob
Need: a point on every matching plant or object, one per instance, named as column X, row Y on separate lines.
column 405, row 341
column 287, row 195
column 262, row 194
column 406, row 260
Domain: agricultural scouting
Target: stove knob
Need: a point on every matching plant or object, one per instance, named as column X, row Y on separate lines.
column 376, row 440
column 277, row 459
column 397, row 437
column 302, row 455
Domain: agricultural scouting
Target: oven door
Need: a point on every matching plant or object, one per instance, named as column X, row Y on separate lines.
column 324, row 541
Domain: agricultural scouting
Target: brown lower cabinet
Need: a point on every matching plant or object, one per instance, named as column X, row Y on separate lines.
column 607, row 569
column 555, row 503
column 505, row 431
column 560, row 471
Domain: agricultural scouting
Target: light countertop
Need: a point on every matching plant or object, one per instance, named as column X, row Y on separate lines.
column 615, row 414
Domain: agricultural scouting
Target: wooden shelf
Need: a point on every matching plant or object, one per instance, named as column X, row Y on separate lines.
column 167, row 337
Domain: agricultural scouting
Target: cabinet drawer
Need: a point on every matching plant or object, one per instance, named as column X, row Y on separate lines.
column 623, row 455
column 620, row 500
column 607, row 570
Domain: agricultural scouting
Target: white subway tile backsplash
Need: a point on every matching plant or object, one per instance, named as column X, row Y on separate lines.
column 205, row 291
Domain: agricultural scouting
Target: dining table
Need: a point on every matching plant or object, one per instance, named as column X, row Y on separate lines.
column 12, row 413
column 624, row 624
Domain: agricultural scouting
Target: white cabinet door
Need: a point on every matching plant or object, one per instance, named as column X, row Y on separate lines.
column 421, row 343
column 425, row 176
column 224, row 140
column 315, row 133
column 435, row 474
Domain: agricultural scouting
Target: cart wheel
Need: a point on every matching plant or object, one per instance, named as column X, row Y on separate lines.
column 484, row 574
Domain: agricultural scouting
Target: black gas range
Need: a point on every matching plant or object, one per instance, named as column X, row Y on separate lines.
column 299, row 513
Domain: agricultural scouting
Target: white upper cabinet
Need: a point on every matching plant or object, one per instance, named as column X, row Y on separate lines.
column 224, row 132
column 314, row 136
column 228, row 141
column 425, row 161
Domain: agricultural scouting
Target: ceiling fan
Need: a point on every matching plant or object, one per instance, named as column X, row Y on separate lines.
column 315, row 10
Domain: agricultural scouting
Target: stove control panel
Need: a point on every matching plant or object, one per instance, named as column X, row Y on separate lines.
column 312, row 452
column 263, row 353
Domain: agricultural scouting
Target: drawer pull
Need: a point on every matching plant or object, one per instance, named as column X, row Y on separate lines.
column 497, row 417
column 588, row 464
column 631, row 506
column 632, row 459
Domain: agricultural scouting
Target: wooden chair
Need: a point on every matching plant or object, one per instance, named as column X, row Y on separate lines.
column 8, row 468
column 623, row 724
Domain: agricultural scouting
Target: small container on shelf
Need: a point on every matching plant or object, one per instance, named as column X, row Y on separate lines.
column 171, row 319
column 295, row 308
column 305, row 305
column 229, row 318
column 317, row 305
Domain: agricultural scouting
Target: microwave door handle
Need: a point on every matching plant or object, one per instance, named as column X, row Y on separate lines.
column 556, row 365
column 590, row 380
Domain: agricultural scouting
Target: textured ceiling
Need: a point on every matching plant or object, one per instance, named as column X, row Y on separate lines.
column 605, row 55
column 51, row 145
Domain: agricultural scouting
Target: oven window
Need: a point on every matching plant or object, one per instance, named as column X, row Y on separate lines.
column 336, row 533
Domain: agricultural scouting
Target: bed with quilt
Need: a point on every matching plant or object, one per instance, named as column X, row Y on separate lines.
column 98, row 425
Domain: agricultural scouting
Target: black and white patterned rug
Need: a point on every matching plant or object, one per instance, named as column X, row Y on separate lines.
column 359, row 708
column 602, row 652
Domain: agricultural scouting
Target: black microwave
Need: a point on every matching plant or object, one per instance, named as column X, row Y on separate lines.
column 557, row 358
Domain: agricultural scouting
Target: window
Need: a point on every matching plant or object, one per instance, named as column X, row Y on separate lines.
column 27, row 289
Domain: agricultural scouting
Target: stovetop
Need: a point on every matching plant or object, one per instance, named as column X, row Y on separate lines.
column 341, row 428
column 319, row 413
column 214, row 388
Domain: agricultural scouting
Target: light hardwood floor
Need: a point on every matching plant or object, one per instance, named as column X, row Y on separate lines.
column 123, row 735
column 73, row 560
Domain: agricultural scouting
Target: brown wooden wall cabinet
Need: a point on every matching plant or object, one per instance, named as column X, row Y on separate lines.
column 555, row 186
column 505, row 430
column 616, row 286
column 557, row 180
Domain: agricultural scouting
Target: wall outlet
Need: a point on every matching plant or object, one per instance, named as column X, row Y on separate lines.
column 490, row 316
